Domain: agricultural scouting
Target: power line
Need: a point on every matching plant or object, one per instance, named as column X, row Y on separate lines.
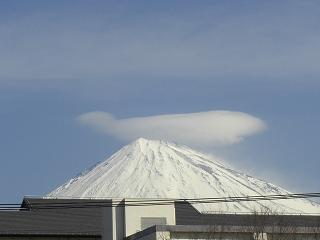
column 150, row 202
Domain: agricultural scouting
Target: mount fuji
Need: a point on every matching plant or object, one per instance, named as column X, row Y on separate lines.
column 160, row 169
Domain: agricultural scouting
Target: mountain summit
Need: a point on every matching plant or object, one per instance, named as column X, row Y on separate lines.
column 160, row 169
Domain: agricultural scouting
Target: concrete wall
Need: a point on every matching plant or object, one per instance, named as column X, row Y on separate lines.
column 206, row 232
column 113, row 221
column 118, row 221
column 225, row 236
column 121, row 221
column 294, row 236
column 222, row 236
column 133, row 215
column 241, row 236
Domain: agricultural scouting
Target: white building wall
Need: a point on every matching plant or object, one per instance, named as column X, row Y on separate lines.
column 113, row 221
column 122, row 221
column 133, row 215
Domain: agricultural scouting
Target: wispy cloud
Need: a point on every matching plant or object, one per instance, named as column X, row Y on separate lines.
column 204, row 128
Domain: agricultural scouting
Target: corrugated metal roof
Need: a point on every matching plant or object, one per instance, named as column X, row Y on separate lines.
column 79, row 221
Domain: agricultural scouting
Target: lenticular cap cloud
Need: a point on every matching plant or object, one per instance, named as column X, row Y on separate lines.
column 205, row 128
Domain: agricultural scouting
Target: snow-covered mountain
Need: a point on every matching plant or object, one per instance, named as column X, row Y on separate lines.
column 160, row 169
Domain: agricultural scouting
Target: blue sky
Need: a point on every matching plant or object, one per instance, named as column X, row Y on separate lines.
column 61, row 59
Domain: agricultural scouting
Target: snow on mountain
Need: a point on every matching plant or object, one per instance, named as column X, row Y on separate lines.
column 160, row 169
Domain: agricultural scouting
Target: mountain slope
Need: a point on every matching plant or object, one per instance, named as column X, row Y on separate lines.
column 159, row 169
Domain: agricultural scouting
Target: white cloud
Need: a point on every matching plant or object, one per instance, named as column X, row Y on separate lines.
column 204, row 128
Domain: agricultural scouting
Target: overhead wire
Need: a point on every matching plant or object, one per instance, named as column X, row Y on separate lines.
column 96, row 203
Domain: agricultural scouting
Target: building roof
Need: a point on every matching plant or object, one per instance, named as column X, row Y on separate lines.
column 54, row 216
column 47, row 216
column 186, row 214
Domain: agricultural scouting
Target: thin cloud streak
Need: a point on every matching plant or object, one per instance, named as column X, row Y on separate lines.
column 212, row 128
